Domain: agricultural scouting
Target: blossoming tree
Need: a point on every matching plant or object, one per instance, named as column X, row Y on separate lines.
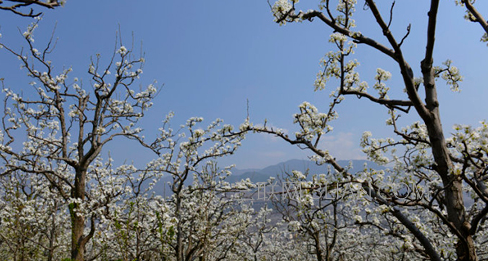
column 66, row 128
column 54, row 178
column 438, row 172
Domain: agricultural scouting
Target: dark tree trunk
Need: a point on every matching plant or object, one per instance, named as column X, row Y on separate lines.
column 78, row 240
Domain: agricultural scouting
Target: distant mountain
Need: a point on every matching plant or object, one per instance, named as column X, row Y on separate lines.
column 262, row 175
column 237, row 172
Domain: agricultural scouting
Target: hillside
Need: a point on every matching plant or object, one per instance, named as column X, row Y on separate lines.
column 262, row 175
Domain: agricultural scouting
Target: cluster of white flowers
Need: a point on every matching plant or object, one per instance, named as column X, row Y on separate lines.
column 312, row 122
column 29, row 33
column 294, row 225
column 473, row 141
column 332, row 68
column 374, row 148
column 452, row 76
column 380, row 86
column 298, row 174
column 246, row 125
column 122, row 50
column 338, row 38
column 280, row 9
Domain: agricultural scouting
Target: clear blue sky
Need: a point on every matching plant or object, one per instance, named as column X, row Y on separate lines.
column 213, row 56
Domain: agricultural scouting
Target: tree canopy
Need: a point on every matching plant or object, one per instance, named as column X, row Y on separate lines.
column 63, row 196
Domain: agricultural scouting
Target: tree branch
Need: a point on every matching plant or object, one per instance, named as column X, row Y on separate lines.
column 476, row 14
column 50, row 4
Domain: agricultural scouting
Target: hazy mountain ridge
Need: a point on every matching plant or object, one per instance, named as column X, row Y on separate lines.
column 262, row 175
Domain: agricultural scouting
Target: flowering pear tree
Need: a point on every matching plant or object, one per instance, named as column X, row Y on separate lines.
column 52, row 141
column 59, row 128
column 202, row 218
column 204, row 205
column 327, row 212
column 311, row 209
column 430, row 176
column 211, row 218
column 18, row 6
column 254, row 243
column 31, row 226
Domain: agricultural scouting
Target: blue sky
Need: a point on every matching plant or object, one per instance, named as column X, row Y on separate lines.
column 212, row 56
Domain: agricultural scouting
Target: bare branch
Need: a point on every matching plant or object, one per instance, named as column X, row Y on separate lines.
column 479, row 18
column 15, row 8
